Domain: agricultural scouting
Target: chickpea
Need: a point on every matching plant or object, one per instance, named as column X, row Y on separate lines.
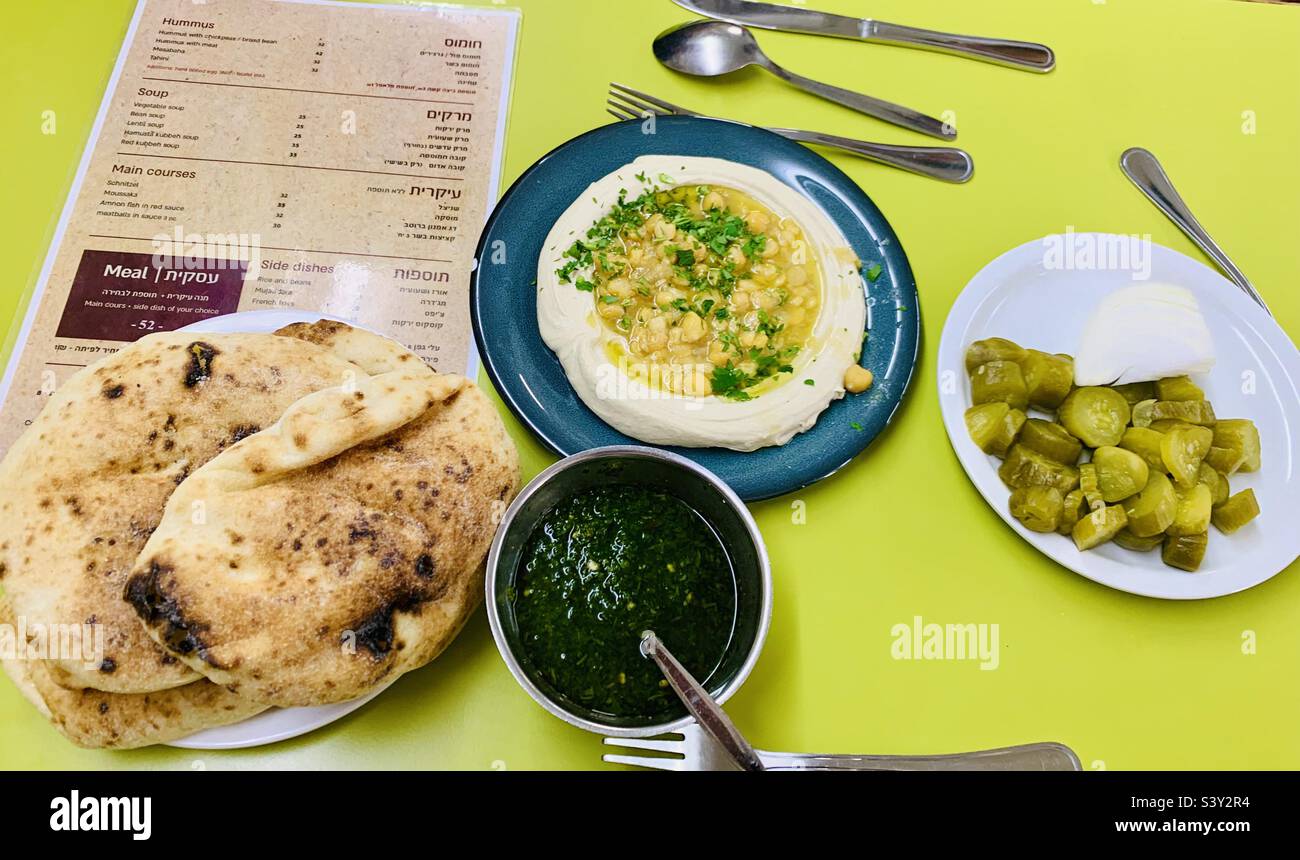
column 692, row 328
column 796, row 276
column 857, row 379
column 610, row 310
column 620, row 287
column 770, row 248
column 737, row 257
column 756, row 221
column 635, row 255
column 665, row 230
column 665, row 297
column 760, row 340
column 765, row 300
column 717, row 355
column 697, row 382
column 747, row 339
column 740, row 301
column 713, row 200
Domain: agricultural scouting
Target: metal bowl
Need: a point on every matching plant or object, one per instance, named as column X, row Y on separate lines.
column 660, row 470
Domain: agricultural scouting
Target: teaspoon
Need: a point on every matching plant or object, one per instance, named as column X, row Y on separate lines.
column 711, row 48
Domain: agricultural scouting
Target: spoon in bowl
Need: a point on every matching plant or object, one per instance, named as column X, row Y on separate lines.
column 697, row 700
column 712, row 48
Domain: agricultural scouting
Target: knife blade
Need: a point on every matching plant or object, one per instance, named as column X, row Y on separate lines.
column 769, row 16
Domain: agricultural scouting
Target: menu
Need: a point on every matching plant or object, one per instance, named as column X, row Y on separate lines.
column 274, row 155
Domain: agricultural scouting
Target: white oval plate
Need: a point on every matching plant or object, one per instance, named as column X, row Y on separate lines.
column 1018, row 296
column 277, row 724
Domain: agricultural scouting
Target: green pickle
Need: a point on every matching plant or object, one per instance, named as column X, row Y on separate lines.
column 1144, row 442
column 996, row 381
column 1225, row 461
column 1158, row 458
column 1024, row 467
column 1193, row 516
column 1120, row 473
column 992, row 349
column 1239, row 434
column 1151, row 511
column 1216, row 481
column 1178, row 388
column 1050, row 439
column 1182, row 450
column 1236, row 512
column 1048, row 378
column 1128, row 540
column 1072, row 508
column 1198, row 412
column 1142, row 413
column 1136, row 392
column 993, row 426
column 1099, row 526
column 1038, row 508
column 1184, row 552
column 1090, row 486
column 1095, row 415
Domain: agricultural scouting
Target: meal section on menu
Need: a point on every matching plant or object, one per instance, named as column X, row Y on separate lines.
column 268, row 155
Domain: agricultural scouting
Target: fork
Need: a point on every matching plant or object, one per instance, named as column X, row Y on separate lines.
column 937, row 162
column 696, row 751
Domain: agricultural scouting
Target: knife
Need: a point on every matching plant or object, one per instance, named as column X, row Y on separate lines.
column 769, row 16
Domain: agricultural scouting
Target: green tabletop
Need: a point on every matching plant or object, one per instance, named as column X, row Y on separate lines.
column 1128, row 682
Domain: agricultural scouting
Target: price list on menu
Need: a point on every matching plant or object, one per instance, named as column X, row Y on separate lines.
column 253, row 155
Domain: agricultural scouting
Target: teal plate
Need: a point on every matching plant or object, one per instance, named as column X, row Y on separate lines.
column 503, row 302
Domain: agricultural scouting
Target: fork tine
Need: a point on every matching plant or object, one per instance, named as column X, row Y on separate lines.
column 620, row 111
column 659, row 103
column 646, row 761
column 678, row 747
column 640, row 107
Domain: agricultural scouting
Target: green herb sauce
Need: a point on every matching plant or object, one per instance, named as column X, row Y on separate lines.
column 605, row 565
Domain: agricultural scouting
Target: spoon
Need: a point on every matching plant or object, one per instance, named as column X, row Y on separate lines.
column 712, row 48
column 707, row 712
column 1143, row 168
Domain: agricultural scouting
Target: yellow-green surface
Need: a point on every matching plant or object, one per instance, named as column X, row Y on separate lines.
column 1129, row 682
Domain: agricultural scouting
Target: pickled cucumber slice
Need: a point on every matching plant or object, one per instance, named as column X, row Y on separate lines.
column 1198, row 412
column 1184, row 552
column 1095, row 415
column 1090, row 486
column 1216, row 481
column 1151, row 511
column 1072, row 508
column 1049, row 378
column 996, row 381
column 1128, row 540
column 1182, row 451
column 1136, row 392
column 1120, row 473
column 1239, row 434
column 1144, row 442
column 1099, row 526
column 1050, row 439
column 1028, row 468
column 1236, row 512
column 1142, row 413
column 1226, row 461
column 993, row 426
column 1038, row 508
column 1193, row 515
column 992, row 349
column 1178, row 388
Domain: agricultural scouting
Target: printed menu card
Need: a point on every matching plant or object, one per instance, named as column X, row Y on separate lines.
column 264, row 155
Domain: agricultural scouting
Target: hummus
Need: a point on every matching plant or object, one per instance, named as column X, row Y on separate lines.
column 699, row 302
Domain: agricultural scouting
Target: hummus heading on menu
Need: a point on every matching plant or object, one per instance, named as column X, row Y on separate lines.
column 699, row 302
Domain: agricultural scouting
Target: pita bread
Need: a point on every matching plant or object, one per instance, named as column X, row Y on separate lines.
column 85, row 485
column 341, row 547
column 95, row 719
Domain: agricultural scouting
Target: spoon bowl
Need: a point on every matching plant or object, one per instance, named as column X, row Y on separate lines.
column 707, row 48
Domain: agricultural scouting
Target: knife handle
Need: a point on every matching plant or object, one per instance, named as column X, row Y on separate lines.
column 869, row 105
column 1004, row 52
